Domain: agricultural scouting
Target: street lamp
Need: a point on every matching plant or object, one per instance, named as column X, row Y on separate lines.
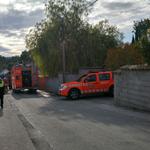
column 62, row 40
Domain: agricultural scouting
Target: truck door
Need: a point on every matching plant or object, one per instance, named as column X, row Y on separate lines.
column 26, row 78
column 90, row 85
column 17, row 79
column 104, row 81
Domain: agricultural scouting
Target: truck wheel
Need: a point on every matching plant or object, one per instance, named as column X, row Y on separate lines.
column 111, row 91
column 74, row 94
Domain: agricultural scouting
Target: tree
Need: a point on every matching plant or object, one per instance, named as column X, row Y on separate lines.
column 133, row 39
column 126, row 55
column 25, row 57
column 85, row 45
column 141, row 39
column 9, row 62
column 140, row 28
column 145, row 48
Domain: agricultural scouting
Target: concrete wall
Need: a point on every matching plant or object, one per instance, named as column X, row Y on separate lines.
column 53, row 84
column 132, row 87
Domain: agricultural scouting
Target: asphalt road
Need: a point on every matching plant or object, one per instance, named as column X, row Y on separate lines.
column 86, row 124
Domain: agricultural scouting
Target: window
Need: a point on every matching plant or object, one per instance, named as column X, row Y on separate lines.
column 104, row 77
column 80, row 79
column 91, row 78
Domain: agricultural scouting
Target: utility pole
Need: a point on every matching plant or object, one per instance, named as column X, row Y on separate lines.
column 64, row 61
column 63, row 43
column 148, row 34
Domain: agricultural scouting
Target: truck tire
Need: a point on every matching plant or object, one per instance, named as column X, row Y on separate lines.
column 74, row 94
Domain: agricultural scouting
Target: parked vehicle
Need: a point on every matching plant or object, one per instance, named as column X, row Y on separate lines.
column 90, row 83
column 23, row 77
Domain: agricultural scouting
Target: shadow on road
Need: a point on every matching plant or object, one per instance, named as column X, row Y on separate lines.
column 97, row 109
column 101, row 99
column 24, row 95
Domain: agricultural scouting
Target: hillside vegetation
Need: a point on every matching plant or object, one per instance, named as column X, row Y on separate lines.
column 8, row 62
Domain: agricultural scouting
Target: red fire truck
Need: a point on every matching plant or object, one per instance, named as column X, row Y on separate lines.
column 24, row 77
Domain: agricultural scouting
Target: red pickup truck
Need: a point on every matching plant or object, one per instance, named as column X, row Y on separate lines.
column 90, row 83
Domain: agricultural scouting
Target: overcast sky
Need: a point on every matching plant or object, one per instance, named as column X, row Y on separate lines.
column 17, row 16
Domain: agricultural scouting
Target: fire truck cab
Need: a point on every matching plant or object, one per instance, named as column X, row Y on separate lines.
column 23, row 77
column 90, row 83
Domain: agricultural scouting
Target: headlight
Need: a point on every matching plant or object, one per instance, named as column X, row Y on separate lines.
column 63, row 87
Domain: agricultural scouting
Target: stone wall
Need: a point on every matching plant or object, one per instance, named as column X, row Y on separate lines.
column 132, row 87
column 53, row 84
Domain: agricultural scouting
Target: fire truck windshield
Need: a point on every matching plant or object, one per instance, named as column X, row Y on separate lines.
column 80, row 79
